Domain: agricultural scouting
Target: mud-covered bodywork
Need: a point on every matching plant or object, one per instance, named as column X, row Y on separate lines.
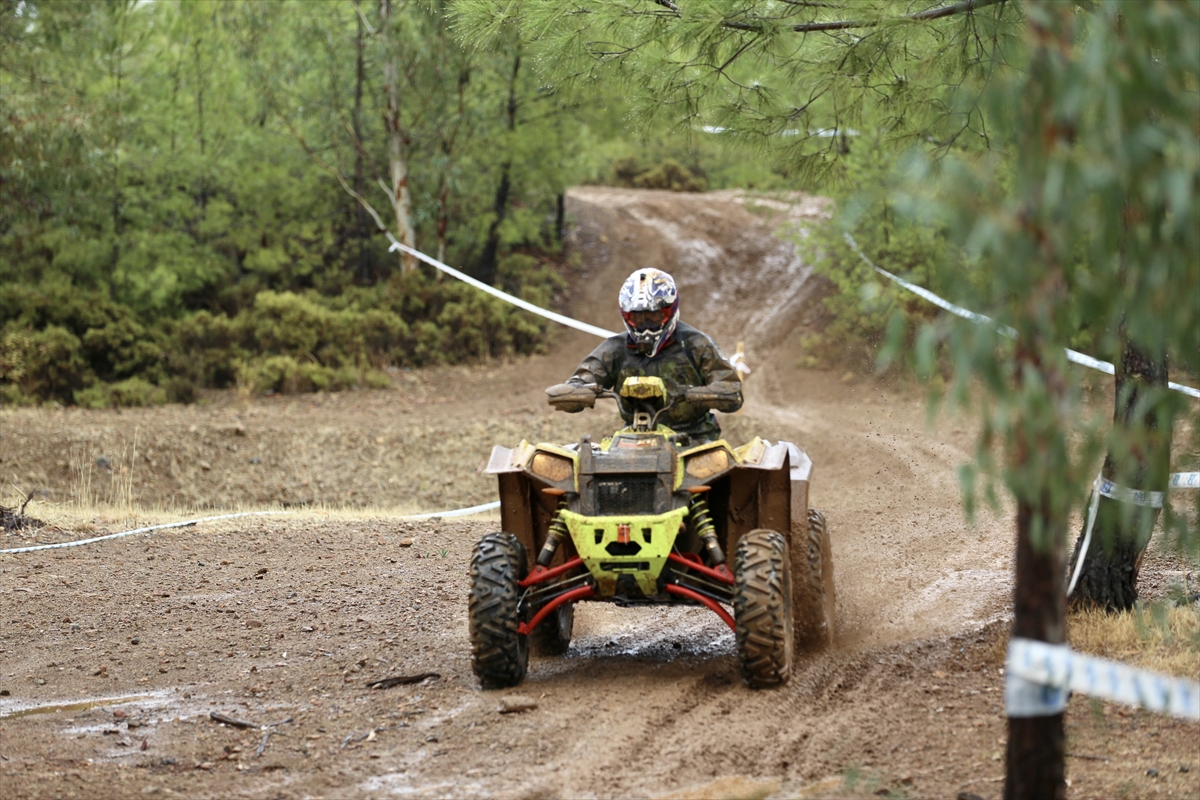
column 628, row 501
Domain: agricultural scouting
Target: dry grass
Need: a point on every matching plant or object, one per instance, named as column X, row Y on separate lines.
column 1160, row 637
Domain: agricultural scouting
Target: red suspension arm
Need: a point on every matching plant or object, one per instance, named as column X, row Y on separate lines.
column 541, row 574
column 721, row 573
column 567, row 597
column 683, row 591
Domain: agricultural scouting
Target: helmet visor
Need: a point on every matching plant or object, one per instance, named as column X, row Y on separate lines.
column 648, row 320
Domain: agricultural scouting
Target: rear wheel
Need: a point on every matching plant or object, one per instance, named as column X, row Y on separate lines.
column 499, row 655
column 552, row 636
column 762, row 608
column 815, row 598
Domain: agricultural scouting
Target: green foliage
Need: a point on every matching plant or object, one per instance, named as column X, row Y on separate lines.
column 161, row 220
column 864, row 305
column 1095, row 218
column 667, row 174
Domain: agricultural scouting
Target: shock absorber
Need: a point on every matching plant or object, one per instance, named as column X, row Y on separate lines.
column 554, row 536
column 702, row 525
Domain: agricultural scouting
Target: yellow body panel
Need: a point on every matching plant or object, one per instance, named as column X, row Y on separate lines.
column 654, row 533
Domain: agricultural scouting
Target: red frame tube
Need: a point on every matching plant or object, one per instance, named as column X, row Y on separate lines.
column 721, row 573
column 566, row 597
column 541, row 574
column 683, row 591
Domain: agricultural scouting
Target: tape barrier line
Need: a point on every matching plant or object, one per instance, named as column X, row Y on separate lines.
column 1039, row 676
column 1185, row 480
column 1106, row 488
column 505, row 296
column 183, row 524
column 982, row 319
column 457, row 512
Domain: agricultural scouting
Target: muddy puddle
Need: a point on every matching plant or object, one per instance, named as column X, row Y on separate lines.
column 18, row 710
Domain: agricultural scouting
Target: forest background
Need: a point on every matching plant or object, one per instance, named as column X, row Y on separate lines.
column 169, row 219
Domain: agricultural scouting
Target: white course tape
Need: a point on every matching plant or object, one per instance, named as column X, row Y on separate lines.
column 1105, row 487
column 458, row 512
column 1185, row 480
column 1039, row 675
column 183, row 524
column 505, row 296
column 1072, row 355
column 1087, row 536
column 1123, row 494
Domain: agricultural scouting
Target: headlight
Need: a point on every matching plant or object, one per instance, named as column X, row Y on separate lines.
column 553, row 468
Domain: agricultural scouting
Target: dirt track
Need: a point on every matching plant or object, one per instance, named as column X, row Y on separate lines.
column 310, row 607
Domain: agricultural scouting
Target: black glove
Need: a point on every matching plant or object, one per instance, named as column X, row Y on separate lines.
column 572, row 397
column 722, row 395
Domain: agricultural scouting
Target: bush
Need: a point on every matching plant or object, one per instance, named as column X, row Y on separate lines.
column 667, row 174
column 74, row 346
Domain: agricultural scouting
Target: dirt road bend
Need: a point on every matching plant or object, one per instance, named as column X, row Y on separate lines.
column 114, row 656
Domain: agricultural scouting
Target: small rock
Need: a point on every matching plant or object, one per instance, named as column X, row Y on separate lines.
column 204, row 765
column 134, row 723
column 239, row 429
column 256, row 460
column 40, row 681
column 136, row 640
column 1182, row 767
column 848, row 377
column 7, row 693
column 124, row 742
column 433, row 737
column 406, row 542
column 906, row 780
column 307, row 629
column 1152, row 773
column 66, row 620
column 516, row 704
column 104, row 462
column 119, row 714
column 254, row 623
column 204, row 465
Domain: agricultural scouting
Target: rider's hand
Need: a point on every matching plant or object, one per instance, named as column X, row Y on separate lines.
column 722, row 395
column 572, row 397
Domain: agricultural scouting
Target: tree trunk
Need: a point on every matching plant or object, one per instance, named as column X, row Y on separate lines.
column 560, row 216
column 1036, row 745
column 485, row 267
column 401, row 200
column 1109, row 576
column 362, row 229
column 202, row 197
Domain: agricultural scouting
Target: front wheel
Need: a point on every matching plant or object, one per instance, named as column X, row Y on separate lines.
column 499, row 654
column 762, row 608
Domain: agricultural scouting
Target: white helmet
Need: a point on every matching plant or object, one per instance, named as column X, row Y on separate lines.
column 650, row 308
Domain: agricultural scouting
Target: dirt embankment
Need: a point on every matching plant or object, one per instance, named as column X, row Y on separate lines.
column 289, row 618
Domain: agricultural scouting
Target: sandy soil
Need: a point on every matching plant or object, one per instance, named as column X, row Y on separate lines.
column 114, row 655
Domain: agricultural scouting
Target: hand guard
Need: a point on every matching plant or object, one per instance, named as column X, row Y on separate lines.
column 722, row 396
column 572, row 397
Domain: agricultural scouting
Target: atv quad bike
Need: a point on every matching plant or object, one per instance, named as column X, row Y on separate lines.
column 645, row 519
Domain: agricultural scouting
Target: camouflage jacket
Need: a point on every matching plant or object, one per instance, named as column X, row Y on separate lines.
column 692, row 359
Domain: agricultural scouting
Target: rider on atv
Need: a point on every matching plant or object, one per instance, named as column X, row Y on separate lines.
column 656, row 343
